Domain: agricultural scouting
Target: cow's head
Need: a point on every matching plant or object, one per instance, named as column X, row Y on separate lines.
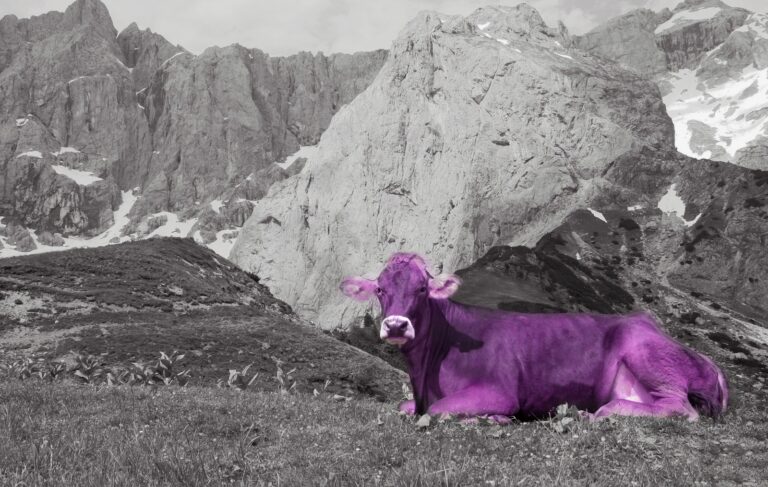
column 403, row 289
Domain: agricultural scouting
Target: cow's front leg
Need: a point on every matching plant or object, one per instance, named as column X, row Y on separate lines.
column 408, row 407
column 476, row 401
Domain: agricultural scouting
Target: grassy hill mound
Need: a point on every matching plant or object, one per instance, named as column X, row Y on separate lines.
column 128, row 303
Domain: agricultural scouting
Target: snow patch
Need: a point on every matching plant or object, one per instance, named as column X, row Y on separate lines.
column 672, row 203
column 82, row 178
column 563, row 55
column 503, row 41
column 757, row 25
column 20, row 122
column 224, row 242
column 307, row 151
column 687, row 17
column 483, row 26
column 171, row 58
column 732, row 121
column 216, row 206
column 597, row 215
column 173, row 227
column 635, row 208
column 33, row 153
column 65, row 150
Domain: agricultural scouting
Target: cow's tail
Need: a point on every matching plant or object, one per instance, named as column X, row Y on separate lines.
column 709, row 396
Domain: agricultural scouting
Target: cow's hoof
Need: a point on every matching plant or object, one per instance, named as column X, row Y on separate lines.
column 408, row 407
column 587, row 416
column 500, row 419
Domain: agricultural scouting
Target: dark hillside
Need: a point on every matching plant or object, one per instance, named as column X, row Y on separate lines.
column 127, row 303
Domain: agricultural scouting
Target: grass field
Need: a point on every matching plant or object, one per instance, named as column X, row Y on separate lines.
column 319, row 412
column 68, row 434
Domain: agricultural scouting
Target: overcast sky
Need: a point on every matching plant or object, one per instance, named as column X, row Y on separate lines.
column 281, row 27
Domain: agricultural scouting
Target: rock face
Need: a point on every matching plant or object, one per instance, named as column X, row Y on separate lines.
column 710, row 61
column 654, row 43
column 695, row 28
column 630, row 41
column 477, row 131
column 144, row 52
column 250, row 110
column 134, row 111
column 49, row 87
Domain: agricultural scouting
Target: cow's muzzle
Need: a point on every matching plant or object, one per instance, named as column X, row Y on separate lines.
column 397, row 329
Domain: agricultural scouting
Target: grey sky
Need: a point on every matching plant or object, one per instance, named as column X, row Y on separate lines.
column 288, row 26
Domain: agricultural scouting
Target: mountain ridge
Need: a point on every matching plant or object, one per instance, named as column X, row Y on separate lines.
column 87, row 111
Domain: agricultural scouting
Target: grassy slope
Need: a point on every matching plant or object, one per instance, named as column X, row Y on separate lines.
column 61, row 434
column 68, row 434
column 128, row 302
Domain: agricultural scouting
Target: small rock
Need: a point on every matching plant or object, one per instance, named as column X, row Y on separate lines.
column 21, row 238
column 51, row 239
column 424, row 421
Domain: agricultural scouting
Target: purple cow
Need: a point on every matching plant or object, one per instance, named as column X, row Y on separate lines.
column 471, row 361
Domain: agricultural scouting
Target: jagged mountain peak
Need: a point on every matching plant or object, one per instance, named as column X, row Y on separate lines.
column 699, row 4
column 92, row 13
column 520, row 21
column 132, row 28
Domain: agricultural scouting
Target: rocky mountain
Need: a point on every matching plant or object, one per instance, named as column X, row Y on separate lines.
column 478, row 131
column 709, row 60
column 495, row 130
column 99, row 127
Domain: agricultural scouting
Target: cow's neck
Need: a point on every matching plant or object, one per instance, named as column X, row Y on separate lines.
column 426, row 351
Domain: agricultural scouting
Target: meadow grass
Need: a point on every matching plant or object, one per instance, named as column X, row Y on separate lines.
column 61, row 433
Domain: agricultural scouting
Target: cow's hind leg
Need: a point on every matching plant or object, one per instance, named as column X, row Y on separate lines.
column 629, row 397
column 662, row 407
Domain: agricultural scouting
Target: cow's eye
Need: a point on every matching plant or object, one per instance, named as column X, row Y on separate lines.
column 379, row 291
column 423, row 289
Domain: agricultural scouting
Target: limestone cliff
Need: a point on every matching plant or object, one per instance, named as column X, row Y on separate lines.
column 477, row 131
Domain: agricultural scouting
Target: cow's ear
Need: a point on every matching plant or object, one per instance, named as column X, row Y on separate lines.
column 358, row 288
column 443, row 286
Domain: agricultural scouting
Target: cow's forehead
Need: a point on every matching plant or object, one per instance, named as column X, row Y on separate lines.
column 402, row 266
column 407, row 258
